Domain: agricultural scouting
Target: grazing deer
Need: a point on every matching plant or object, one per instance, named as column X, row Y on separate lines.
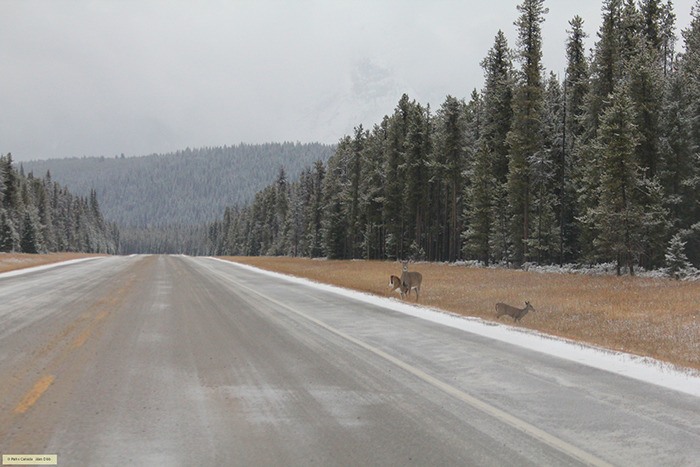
column 410, row 281
column 516, row 313
column 395, row 283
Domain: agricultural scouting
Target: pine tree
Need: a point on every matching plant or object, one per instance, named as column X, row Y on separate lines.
column 525, row 137
column 606, row 67
column 689, row 67
column 617, row 218
column 605, row 72
column 394, row 160
column 335, row 219
column 450, row 131
column 29, row 241
column 548, row 180
column 355, row 221
column 479, row 205
column 372, row 186
column 497, row 121
column 9, row 239
column 498, row 104
column 576, row 87
column 676, row 260
column 315, row 214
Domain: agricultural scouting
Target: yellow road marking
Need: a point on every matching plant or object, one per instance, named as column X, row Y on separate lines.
column 83, row 337
column 32, row 396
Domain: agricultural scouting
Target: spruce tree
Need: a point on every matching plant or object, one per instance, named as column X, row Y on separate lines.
column 576, row 87
column 29, row 241
column 451, row 128
column 479, row 205
column 497, row 121
column 9, row 239
column 394, row 160
column 335, row 196
column 617, row 218
column 689, row 67
column 372, row 185
column 355, row 223
column 315, row 214
column 498, row 104
column 525, row 137
column 676, row 260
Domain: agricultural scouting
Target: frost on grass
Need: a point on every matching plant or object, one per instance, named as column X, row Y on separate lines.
column 688, row 273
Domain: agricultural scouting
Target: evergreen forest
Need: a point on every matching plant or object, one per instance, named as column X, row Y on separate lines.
column 162, row 202
column 601, row 165
column 37, row 215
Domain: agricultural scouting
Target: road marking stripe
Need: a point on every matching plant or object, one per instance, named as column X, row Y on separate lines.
column 32, row 396
column 525, row 427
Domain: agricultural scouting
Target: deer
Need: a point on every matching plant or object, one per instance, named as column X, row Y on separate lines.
column 395, row 283
column 516, row 313
column 410, row 281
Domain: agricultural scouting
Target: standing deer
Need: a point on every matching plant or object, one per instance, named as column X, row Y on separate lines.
column 410, row 281
column 516, row 313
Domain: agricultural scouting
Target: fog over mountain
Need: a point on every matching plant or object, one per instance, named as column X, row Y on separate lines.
column 95, row 78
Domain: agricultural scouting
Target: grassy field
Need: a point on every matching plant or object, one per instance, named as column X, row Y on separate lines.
column 658, row 318
column 12, row 261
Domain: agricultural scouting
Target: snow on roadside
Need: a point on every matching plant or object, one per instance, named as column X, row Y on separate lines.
column 19, row 272
column 644, row 369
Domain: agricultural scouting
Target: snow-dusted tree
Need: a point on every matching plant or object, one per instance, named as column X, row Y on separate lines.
column 394, row 167
column 689, row 67
column 526, row 134
column 315, row 211
column 678, row 172
column 372, row 183
column 9, row 239
column 618, row 216
column 497, row 120
column 450, row 132
column 479, row 205
column 30, row 241
column 335, row 220
column 548, row 171
column 676, row 260
column 498, row 104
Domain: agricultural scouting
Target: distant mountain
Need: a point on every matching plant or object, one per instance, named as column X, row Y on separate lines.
column 188, row 187
column 371, row 91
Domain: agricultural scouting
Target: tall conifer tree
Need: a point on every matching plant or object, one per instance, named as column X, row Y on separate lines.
column 525, row 137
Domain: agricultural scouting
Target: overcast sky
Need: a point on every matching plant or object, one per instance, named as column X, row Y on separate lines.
column 91, row 78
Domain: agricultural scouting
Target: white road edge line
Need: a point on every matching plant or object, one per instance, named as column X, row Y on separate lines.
column 644, row 369
column 478, row 404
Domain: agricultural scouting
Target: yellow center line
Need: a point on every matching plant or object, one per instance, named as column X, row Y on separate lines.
column 32, row 396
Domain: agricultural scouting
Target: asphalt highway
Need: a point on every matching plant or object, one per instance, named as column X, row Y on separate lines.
column 173, row 360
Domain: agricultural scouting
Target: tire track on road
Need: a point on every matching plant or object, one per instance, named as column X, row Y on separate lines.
column 521, row 425
column 55, row 362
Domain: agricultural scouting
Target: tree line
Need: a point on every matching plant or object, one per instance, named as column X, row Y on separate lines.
column 161, row 202
column 37, row 215
column 600, row 166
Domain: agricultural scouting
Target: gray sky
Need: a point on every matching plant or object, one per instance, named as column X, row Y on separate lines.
column 91, row 78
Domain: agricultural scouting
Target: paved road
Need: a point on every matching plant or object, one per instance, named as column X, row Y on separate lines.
column 166, row 360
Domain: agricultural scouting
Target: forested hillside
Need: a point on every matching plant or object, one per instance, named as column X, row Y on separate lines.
column 161, row 202
column 187, row 187
column 602, row 165
column 38, row 215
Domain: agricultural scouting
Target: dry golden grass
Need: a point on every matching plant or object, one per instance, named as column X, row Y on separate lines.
column 12, row 261
column 658, row 318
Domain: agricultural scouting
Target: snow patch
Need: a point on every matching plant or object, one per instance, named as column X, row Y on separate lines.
column 645, row 369
column 20, row 272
